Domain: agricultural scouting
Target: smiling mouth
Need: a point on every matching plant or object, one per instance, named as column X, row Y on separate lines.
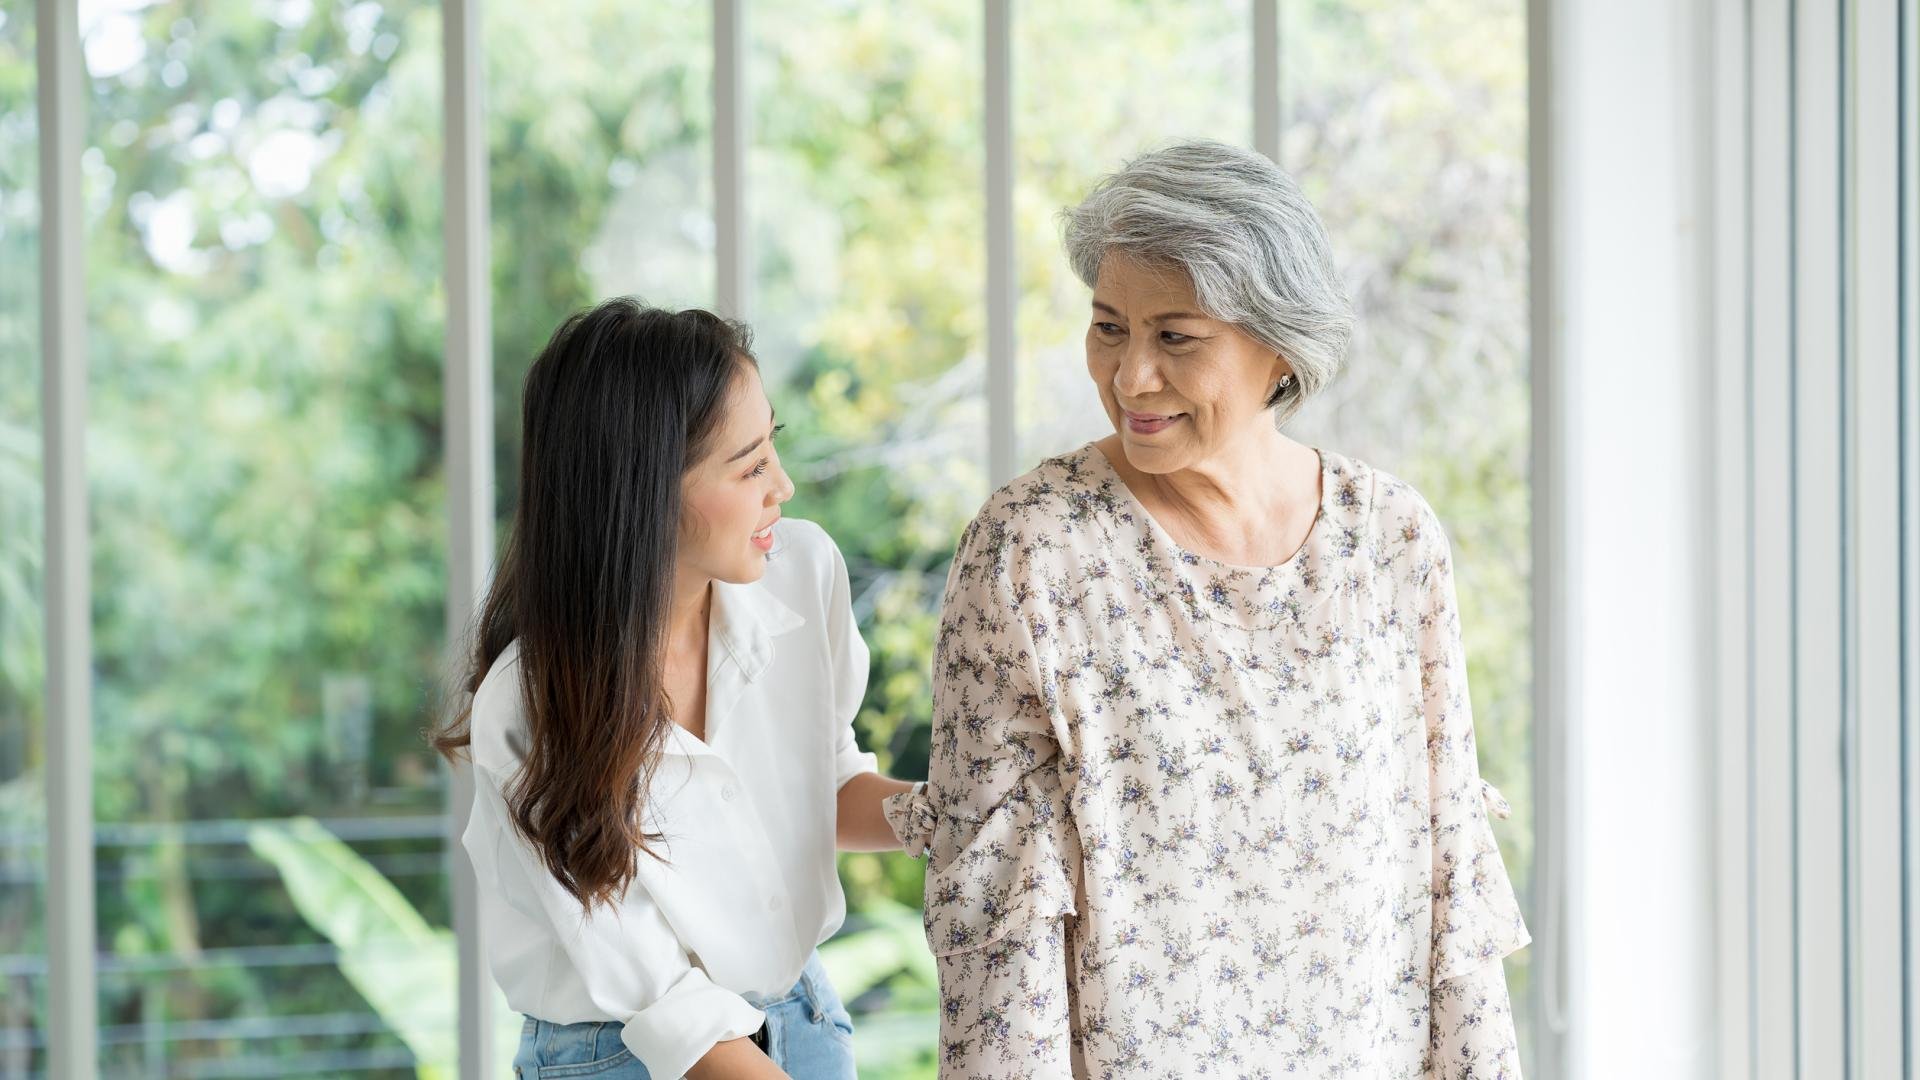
column 764, row 538
column 1148, row 423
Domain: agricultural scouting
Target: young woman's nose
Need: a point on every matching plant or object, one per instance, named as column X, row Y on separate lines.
column 783, row 488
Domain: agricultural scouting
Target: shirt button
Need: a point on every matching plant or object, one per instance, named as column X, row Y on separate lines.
column 727, row 793
column 773, row 904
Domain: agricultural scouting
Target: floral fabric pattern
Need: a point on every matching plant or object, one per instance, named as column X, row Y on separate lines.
column 1185, row 818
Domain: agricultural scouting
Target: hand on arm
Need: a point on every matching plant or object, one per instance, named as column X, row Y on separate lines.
column 860, row 823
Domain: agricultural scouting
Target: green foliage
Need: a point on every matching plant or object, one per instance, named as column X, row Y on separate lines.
column 403, row 966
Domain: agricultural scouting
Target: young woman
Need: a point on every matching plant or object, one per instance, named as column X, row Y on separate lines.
column 663, row 685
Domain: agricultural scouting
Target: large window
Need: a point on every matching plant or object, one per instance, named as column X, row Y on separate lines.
column 263, row 249
column 599, row 122
column 866, row 210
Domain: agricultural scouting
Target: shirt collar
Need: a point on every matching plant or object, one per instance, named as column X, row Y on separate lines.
column 746, row 619
column 744, row 622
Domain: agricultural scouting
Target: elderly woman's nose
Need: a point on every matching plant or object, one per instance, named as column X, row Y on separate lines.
column 1139, row 370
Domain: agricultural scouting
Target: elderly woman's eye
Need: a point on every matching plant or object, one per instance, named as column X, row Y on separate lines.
column 1172, row 338
column 1107, row 328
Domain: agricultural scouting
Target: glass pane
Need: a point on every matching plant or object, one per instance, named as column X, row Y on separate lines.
column 263, row 247
column 869, row 234
column 23, row 830
column 600, row 124
column 1096, row 85
column 1406, row 125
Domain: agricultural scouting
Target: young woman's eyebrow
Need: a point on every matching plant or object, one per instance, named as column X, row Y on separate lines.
column 771, row 413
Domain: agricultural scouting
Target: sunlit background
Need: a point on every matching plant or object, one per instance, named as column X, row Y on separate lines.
column 266, row 454
column 264, row 260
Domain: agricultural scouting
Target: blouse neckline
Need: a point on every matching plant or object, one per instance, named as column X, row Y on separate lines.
column 1191, row 557
column 1250, row 598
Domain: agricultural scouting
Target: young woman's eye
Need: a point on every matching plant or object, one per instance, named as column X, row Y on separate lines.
column 760, row 467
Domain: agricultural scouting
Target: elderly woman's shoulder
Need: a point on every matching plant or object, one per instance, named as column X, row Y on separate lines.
column 1043, row 507
column 1395, row 512
column 1067, row 486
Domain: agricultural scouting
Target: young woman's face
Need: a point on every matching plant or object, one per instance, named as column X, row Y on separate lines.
column 1177, row 385
column 733, row 495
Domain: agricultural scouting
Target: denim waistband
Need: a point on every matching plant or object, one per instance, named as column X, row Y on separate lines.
column 807, row 986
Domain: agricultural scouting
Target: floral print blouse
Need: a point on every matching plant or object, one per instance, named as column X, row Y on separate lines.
column 1185, row 818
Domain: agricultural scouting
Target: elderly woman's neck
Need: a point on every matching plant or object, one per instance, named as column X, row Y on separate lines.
column 1251, row 503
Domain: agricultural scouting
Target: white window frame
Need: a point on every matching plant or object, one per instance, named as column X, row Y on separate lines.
column 72, row 1004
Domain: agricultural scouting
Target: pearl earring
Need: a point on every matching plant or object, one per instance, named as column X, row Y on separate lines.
column 1286, row 381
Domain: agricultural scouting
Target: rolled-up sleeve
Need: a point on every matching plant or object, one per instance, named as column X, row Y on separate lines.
column 1476, row 916
column 629, row 958
column 993, row 820
column 850, row 661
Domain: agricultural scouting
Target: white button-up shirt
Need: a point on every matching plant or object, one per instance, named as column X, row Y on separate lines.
column 748, row 814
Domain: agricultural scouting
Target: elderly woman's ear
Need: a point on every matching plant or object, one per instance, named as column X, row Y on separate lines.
column 1280, row 385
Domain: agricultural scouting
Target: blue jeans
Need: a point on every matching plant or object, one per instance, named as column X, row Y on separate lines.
column 809, row 1034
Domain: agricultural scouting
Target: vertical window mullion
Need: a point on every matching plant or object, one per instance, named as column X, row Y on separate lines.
column 1002, row 451
column 1728, row 209
column 1266, row 79
column 1549, row 511
column 1819, row 505
column 733, row 257
column 467, row 404
column 71, row 1002
column 1872, row 316
column 1909, row 292
column 1775, row 1025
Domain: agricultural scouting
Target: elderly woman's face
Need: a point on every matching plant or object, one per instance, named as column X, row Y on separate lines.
column 1177, row 385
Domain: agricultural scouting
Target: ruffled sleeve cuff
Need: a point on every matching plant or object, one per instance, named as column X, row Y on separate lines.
column 1477, row 917
column 992, row 876
column 1497, row 805
column 912, row 816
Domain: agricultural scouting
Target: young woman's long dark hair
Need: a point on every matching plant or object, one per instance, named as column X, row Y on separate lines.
column 622, row 401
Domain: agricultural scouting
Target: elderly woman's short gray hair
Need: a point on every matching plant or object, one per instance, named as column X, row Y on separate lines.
column 1242, row 232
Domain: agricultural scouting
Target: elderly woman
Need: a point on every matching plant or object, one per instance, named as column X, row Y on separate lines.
column 1202, row 797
